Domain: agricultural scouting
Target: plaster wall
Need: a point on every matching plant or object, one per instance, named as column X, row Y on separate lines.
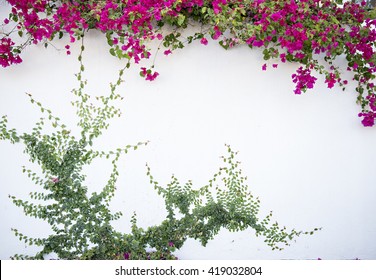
column 307, row 157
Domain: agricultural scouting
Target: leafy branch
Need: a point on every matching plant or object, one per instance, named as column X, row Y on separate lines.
column 78, row 219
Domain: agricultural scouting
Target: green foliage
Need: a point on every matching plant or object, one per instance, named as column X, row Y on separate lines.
column 81, row 220
column 225, row 202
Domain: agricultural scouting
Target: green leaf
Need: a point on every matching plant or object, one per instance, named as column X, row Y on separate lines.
column 181, row 19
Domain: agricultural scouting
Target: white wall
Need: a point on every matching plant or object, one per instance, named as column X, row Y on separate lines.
column 307, row 157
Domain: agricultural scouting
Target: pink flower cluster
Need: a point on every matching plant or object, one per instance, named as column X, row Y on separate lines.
column 29, row 14
column 303, row 80
column 370, row 115
column 148, row 74
column 301, row 29
column 7, row 56
column 289, row 30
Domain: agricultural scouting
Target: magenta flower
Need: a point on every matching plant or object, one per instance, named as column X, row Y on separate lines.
column 303, row 80
column 330, row 80
column 55, row 180
column 126, row 256
column 372, row 102
column 276, row 16
column 171, row 244
column 300, row 55
column 283, row 57
column 7, row 57
column 150, row 76
column 217, row 33
column 258, row 43
column 143, row 71
column 204, row 41
column 264, row 67
column 250, row 40
column 368, row 119
column 167, row 52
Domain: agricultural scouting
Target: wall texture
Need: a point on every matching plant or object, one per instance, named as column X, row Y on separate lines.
column 307, row 157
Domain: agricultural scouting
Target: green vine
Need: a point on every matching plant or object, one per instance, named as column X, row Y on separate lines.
column 81, row 220
column 77, row 218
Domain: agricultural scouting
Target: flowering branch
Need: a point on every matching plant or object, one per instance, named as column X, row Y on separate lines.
column 302, row 32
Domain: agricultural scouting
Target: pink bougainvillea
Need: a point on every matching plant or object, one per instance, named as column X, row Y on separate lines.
column 303, row 32
column 7, row 55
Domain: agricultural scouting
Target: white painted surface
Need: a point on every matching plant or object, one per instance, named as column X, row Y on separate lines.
column 307, row 157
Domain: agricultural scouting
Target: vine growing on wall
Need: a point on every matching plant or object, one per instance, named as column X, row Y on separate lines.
column 77, row 217
column 312, row 33
column 81, row 220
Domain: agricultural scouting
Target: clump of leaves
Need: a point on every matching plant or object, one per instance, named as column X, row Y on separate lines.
column 80, row 220
column 225, row 202
column 82, row 223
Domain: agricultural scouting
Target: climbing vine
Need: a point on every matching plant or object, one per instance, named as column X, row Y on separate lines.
column 81, row 220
